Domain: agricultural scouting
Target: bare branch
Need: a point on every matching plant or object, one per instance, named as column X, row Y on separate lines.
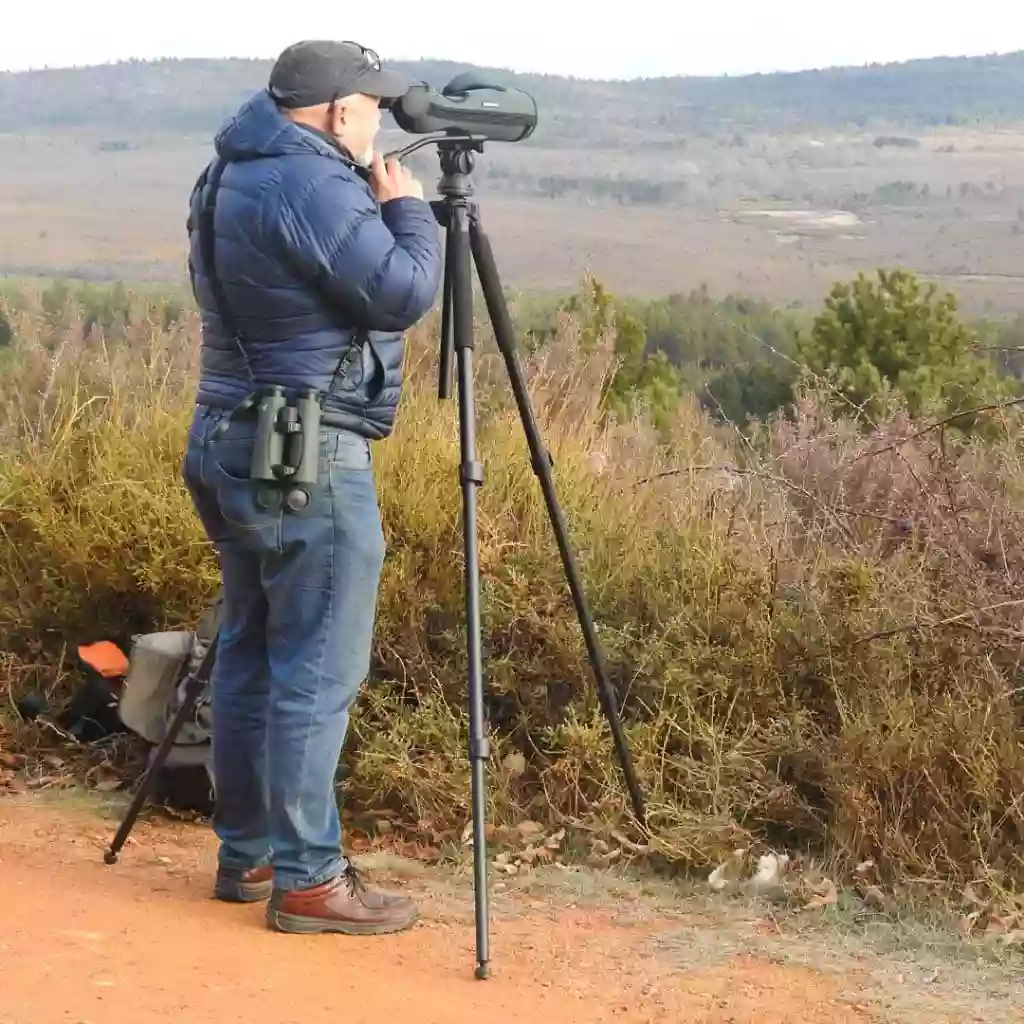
column 913, row 627
column 994, row 407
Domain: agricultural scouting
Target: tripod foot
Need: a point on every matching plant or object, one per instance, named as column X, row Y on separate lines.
column 110, row 857
column 483, row 971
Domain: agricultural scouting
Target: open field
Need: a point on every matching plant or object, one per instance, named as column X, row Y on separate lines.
column 646, row 184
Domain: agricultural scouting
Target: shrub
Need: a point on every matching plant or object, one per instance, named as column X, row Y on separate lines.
column 814, row 637
column 894, row 342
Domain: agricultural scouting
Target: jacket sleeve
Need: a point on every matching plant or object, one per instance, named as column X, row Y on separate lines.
column 381, row 265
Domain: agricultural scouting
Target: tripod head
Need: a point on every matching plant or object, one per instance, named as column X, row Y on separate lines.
column 457, row 154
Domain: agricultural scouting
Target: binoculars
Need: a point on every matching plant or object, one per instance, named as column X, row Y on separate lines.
column 286, row 450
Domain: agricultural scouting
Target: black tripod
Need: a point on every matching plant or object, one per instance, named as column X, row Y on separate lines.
column 466, row 245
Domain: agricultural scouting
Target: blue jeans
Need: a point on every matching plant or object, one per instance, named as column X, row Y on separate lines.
column 299, row 603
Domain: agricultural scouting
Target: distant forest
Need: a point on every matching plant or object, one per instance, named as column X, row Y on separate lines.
column 192, row 96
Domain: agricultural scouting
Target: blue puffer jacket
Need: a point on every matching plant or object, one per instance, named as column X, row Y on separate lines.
column 314, row 271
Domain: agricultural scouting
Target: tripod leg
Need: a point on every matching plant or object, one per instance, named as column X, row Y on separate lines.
column 446, row 367
column 472, row 477
column 194, row 686
column 504, row 332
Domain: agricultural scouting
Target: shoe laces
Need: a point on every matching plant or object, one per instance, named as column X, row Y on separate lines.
column 354, row 879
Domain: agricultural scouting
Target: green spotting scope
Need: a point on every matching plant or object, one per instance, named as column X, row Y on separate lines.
column 468, row 105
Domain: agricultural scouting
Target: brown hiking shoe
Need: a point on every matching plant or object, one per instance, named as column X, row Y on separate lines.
column 344, row 904
column 236, row 886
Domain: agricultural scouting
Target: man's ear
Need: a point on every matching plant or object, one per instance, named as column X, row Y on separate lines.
column 335, row 116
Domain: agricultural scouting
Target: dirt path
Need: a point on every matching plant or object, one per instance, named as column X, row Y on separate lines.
column 142, row 942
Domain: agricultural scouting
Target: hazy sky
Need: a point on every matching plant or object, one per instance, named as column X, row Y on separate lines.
column 641, row 37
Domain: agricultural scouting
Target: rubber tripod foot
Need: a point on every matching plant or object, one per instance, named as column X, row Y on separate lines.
column 483, row 972
column 110, row 857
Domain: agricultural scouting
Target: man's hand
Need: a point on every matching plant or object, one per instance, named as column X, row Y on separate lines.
column 392, row 181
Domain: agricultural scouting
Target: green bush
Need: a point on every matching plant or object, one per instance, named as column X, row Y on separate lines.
column 895, row 341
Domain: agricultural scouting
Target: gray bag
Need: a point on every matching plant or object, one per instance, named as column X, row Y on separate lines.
column 155, row 690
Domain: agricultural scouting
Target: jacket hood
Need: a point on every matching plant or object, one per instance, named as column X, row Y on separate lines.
column 259, row 129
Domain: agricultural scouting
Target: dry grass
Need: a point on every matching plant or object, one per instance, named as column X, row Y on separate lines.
column 814, row 647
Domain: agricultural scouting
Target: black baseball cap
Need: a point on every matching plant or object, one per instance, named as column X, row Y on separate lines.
column 316, row 71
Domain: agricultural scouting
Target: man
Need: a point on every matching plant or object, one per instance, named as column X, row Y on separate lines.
column 319, row 263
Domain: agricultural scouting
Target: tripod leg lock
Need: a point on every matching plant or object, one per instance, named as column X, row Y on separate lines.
column 480, row 750
column 473, row 472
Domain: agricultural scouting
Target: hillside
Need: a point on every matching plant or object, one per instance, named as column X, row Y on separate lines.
column 771, row 185
column 192, row 95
